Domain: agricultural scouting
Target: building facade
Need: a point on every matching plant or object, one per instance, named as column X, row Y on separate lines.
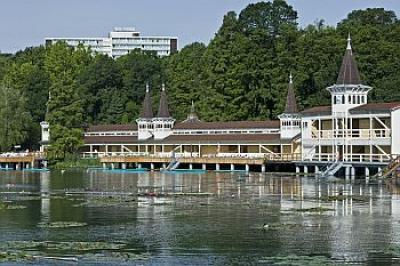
column 121, row 41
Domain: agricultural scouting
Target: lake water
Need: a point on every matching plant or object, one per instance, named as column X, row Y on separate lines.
column 214, row 218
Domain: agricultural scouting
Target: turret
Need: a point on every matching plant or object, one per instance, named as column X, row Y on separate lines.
column 192, row 116
column 163, row 123
column 145, row 120
column 348, row 92
column 290, row 119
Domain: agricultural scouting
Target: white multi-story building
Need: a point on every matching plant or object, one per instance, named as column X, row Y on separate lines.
column 350, row 133
column 121, row 41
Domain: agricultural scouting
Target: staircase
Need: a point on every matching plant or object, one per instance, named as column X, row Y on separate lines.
column 390, row 169
column 331, row 169
column 174, row 164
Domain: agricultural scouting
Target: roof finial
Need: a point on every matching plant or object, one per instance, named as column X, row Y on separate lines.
column 290, row 78
column 192, row 107
column 163, row 87
column 348, row 42
column 147, row 87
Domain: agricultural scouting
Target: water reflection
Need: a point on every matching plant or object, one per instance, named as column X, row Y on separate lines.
column 202, row 215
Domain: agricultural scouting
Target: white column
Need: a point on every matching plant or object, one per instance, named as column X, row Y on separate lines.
column 297, row 169
column 305, row 169
column 232, row 167
column 123, row 166
column 353, row 172
column 316, row 169
column 152, row 166
column 247, row 168
column 217, row 167
column 112, row 166
column 366, row 172
column 104, row 166
column 263, row 168
column 139, row 165
column 191, row 166
column 204, row 166
column 347, row 172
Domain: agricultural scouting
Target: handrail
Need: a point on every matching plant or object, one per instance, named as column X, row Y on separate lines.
column 351, row 133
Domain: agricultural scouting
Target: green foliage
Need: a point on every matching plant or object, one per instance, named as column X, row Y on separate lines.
column 13, row 118
column 65, row 106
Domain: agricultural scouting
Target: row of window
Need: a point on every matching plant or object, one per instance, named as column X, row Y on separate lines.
column 111, row 134
column 224, row 132
column 291, row 123
column 351, row 99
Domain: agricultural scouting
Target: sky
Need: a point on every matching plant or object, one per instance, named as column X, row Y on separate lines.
column 25, row 23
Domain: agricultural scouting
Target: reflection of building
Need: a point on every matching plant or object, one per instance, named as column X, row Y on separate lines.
column 347, row 134
column 123, row 40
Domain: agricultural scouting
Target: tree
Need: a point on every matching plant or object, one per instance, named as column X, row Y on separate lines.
column 14, row 119
column 65, row 105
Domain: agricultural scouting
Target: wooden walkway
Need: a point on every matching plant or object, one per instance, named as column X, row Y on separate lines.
column 192, row 160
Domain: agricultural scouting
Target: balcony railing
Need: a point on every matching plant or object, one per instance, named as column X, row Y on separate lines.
column 352, row 133
column 355, row 157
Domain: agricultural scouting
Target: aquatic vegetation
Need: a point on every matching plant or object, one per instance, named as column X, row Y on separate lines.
column 14, row 256
column 61, row 224
column 314, row 209
column 355, row 198
column 293, row 260
column 108, row 201
column 10, row 206
column 28, row 250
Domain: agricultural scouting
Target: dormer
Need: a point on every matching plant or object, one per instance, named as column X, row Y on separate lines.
column 348, row 92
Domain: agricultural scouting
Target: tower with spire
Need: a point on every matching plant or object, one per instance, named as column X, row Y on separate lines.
column 145, row 120
column 45, row 129
column 348, row 92
column 290, row 119
column 163, row 122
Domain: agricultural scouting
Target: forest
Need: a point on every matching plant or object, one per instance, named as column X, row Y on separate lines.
column 241, row 74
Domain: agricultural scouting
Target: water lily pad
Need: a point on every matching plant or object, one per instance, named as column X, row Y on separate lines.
column 61, row 224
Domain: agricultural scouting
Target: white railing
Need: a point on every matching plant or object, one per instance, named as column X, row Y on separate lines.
column 240, row 155
column 352, row 133
column 355, row 157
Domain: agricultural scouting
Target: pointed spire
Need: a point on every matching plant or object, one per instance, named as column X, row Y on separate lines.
column 192, row 116
column 147, row 111
column 348, row 74
column 291, row 104
column 163, row 108
column 348, row 42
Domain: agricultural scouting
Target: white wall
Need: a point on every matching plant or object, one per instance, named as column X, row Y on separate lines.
column 396, row 132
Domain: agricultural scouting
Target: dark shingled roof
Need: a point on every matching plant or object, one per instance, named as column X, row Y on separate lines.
column 291, row 105
column 375, row 107
column 231, row 138
column 100, row 128
column 147, row 110
column 229, row 125
column 190, row 139
column 317, row 110
column 110, row 139
column 348, row 74
column 163, row 108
